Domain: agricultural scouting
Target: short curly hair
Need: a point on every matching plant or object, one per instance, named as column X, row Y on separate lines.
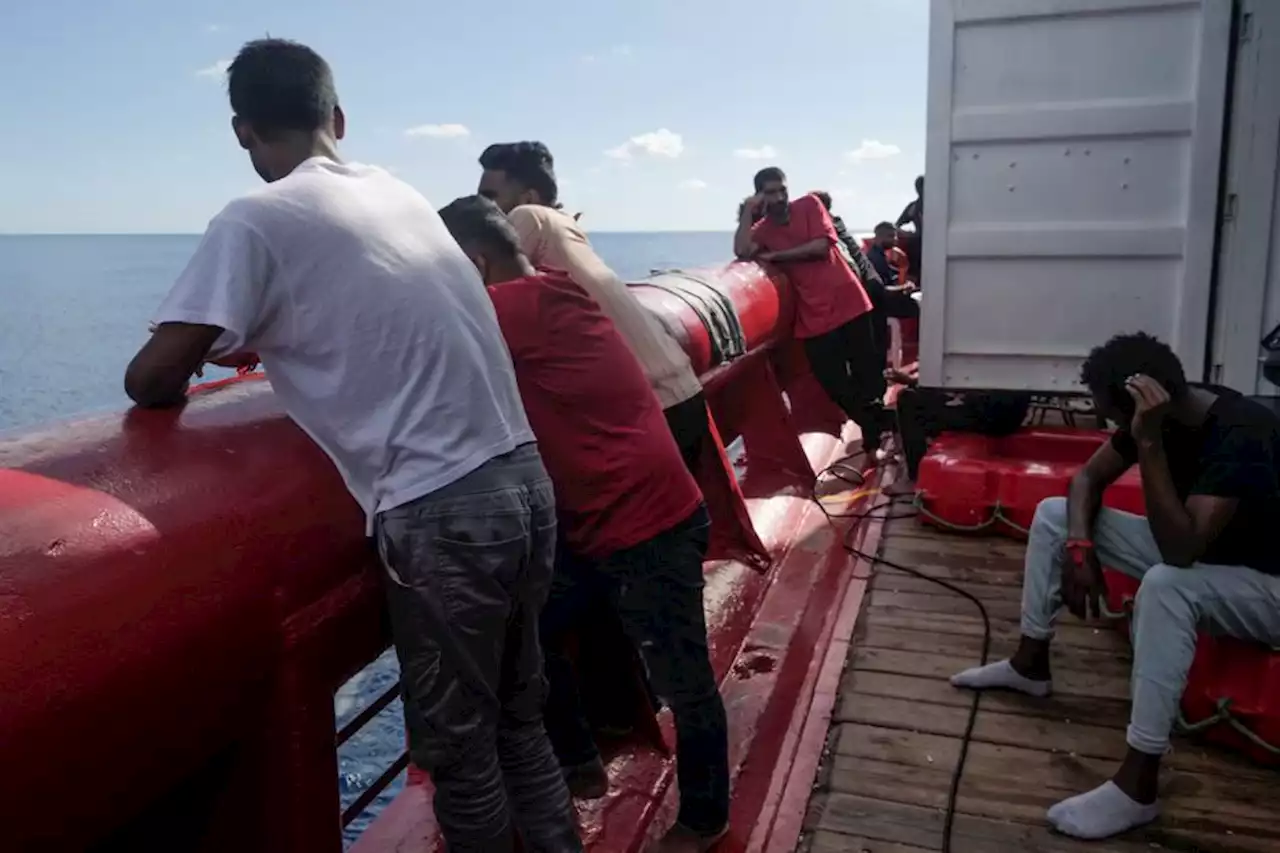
column 1108, row 367
column 528, row 163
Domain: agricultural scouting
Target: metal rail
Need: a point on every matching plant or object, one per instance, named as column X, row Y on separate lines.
column 355, row 724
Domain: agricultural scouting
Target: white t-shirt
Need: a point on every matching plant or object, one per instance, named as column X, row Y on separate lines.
column 374, row 328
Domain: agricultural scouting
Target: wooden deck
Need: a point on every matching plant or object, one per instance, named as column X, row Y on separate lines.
column 896, row 728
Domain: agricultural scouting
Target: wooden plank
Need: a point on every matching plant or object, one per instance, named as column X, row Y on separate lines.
column 944, row 603
column 1053, row 776
column 922, row 827
column 1069, row 737
column 822, row 841
column 984, row 592
column 1106, row 684
column 1070, row 632
column 1107, row 713
column 1023, row 799
column 1112, row 663
column 975, row 571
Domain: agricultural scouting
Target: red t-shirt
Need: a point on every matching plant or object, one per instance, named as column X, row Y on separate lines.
column 828, row 293
column 618, row 474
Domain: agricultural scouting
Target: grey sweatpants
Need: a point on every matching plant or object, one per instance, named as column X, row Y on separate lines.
column 1172, row 605
column 468, row 569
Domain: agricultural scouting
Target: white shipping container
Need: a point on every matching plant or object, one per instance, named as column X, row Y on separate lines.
column 1072, row 183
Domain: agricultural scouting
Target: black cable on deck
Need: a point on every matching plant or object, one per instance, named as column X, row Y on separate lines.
column 842, row 469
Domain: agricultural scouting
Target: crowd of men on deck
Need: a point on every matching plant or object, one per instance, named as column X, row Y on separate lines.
column 520, row 434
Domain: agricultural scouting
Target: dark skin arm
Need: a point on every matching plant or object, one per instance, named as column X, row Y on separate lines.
column 159, row 374
column 1183, row 532
column 1082, row 583
column 907, row 215
column 743, row 247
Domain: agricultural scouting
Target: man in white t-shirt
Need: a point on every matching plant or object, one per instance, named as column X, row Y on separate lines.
column 382, row 344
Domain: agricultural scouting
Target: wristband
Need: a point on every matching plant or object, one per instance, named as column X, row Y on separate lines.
column 1076, row 549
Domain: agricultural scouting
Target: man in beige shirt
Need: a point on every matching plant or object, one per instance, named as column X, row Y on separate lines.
column 520, row 178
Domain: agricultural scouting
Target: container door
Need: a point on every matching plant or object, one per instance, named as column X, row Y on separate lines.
column 1247, row 299
column 1072, row 177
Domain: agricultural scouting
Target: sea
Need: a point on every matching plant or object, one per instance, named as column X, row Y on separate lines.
column 77, row 307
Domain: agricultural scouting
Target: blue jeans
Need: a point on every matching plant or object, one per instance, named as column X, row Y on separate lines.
column 468, row 568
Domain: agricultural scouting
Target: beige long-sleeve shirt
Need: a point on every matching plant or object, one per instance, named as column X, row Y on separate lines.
column 551, row 238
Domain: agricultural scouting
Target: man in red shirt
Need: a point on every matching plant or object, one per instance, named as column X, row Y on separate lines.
column 631, row 516
column 833, row 312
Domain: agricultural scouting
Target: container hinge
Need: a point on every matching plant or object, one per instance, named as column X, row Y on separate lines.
column 1246, row 27
column 1229, row 208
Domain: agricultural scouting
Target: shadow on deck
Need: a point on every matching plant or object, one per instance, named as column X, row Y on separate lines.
column 895, row 734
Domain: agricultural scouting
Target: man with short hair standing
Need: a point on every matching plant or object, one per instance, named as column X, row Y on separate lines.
column 381, row 343
column 834, row 318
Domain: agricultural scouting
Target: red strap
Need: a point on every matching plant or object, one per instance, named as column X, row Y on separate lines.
column 1076, row 549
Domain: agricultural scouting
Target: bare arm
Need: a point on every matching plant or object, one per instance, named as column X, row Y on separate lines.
column 159, row 374
column 1183, row 532
column 743, row 246
column 1085, row 497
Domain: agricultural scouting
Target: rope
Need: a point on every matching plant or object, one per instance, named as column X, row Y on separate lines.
column 998, row 516
column 1224, row 715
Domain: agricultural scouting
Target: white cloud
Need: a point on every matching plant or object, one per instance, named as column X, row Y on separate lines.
column 764, row 152
column 213, row 28
column 215, row 71
column 439, row 131
column 621, row 51
column 872, row 149
column 693, row 184
column 656, row 143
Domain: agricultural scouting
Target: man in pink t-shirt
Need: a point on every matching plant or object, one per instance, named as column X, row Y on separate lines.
column 833, row 312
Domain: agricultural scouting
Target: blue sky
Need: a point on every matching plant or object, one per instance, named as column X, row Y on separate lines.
column 658, row 112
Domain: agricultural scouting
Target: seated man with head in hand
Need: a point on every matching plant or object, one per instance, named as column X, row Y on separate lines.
column 1205, row 553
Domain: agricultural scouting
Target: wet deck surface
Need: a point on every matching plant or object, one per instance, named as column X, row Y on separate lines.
column 896, row 730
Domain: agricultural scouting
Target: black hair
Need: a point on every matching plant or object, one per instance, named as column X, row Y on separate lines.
column 767, row 174
column 475, row 221
column 824, row 197
column 920, row 184
column 884, row 226
column 278, row 85
column 529, row 164
column 1107, row 368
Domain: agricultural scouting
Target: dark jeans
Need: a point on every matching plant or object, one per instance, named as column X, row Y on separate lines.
column 849, row 365
column 924, row 413
column 885, row 304
column 656, row 588
column 688, row 423
column 468, row 569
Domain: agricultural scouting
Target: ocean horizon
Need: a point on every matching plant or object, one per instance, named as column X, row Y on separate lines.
column 77, row 307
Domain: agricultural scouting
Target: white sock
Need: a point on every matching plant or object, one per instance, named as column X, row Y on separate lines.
column 1000, row 676
column 1103, row 812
